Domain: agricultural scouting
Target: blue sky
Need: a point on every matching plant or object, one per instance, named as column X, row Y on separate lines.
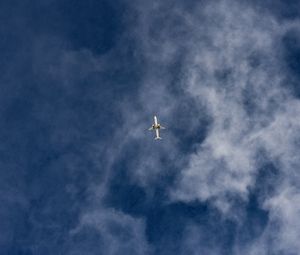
column 80, row 83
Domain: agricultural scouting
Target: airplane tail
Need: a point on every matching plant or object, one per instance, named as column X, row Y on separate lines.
column 157, row 138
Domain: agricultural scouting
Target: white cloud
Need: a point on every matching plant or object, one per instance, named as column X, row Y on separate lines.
column 120, row 233
column 233, row 66
column 285, row 210
column 231, row 58
column 196, row 242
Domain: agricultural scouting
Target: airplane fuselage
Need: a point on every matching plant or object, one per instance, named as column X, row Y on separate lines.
column 156, row 126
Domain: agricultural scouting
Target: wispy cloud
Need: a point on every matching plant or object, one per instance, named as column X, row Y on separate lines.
column 214, row 73
column 118, row 232
column 232, row 65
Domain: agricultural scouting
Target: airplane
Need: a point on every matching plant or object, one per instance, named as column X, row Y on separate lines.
column 156, row 126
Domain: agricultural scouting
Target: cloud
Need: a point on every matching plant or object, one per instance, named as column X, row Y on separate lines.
column 196, row 241
column 118, row 233
column 214, row 73
column 232, row 64
column 285, row 210
column 57, row 124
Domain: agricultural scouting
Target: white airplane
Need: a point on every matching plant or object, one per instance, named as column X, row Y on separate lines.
column 156, row 126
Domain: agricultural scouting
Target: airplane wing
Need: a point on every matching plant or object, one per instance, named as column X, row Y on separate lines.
column 161, row 127
column 151, row 128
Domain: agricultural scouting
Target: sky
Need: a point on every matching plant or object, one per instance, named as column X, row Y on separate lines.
column 80, row 82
